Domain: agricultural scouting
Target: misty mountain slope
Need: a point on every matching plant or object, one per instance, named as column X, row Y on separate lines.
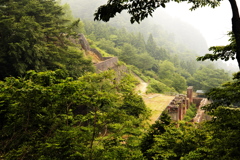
column 184, row 33
column 166, row 30
column 177, row 37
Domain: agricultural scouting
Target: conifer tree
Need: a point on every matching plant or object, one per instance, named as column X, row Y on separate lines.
column 33, row 36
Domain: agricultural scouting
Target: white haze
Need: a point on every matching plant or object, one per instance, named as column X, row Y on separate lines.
column 214, row 24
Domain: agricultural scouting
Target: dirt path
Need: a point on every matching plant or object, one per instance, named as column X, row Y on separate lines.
column 155, row 102
column 142, row 88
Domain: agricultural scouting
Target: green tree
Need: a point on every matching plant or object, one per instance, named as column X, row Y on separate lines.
column 189, row 66
column 206, row 78
column 224, row 95
column 156, row 52
column 48, row 115
column 191, row 113
column 33, row 36
column 144, row 61
column 178, row 142
column 167, row 74
column 128, row 54
column 157, row 128
column 166, row 70
column 179, row 83
column 140, row 43
column 158, row 87
column 151, row 45
column 108, row 46
column 223, row 128
column 166, row 141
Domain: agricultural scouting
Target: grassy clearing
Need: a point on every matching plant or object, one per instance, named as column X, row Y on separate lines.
column 157, row 103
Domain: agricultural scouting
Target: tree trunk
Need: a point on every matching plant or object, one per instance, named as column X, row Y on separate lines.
column 236, row 28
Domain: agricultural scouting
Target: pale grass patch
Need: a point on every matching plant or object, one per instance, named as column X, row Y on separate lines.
column 157, row 104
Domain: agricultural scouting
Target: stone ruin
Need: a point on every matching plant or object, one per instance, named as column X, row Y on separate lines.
column 101, row 63
column 178, row 107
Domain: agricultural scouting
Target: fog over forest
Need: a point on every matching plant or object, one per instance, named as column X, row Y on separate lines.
column 178, row 31
column 162, row 26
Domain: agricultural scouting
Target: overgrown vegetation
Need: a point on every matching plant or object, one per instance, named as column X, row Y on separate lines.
column 191, row 113
column 158, row 87
column 48, row 115
column 149, row 61
column 34, row 36
column 52, row 105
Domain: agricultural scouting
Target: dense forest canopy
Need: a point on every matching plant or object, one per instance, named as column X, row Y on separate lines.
column 33, row 37
column 54, row 106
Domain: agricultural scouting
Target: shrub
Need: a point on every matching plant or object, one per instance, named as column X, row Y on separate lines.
column 158, row 87
column 191, row 113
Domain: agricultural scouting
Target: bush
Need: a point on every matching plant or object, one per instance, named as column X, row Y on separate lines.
column 191, row 113
column 158, row 87
column 138, row 72
column 151, row 74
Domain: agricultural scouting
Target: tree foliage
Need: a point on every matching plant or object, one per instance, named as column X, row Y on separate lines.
column 190, row 113
column 208, row 77
column 225, row 95
column 56, row 115
column 157, row 128
column 225, row 53
column 34, row 37
column 175, row 69
column 158, row 87
column 166, row 141
column 48, row 115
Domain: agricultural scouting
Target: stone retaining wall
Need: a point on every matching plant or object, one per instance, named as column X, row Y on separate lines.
column 107, row 64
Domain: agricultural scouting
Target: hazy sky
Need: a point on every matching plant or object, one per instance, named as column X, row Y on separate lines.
column 212, row 23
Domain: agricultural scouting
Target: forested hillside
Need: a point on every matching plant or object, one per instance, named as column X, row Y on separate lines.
column 34, row 37
column 168, row 32
column 53, row 104
column 161, row 51
column 174, row 70
column 163, row 27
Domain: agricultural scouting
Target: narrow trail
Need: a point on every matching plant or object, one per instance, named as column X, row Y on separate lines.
column 142, row 86
column 154, row 101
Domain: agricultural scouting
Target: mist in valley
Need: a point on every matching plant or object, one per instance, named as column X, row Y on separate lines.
column 172, row 27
